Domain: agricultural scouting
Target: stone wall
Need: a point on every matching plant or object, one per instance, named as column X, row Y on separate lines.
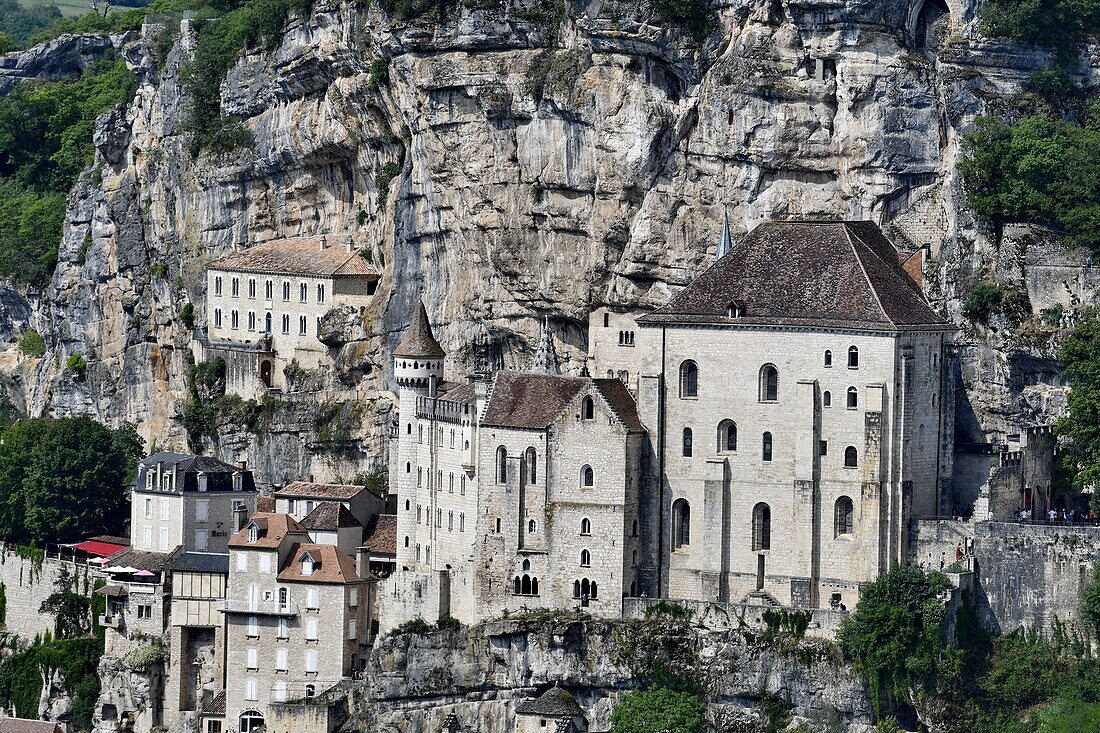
column 27, row 583
column 1032, row 574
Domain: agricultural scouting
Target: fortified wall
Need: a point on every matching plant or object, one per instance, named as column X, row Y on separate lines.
column 28, row 579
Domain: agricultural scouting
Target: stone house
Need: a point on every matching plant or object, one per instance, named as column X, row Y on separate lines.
column 299, row 498
column 556, row 708
column 800, row 396
column 187, row 501
column 264, row 308
column 295, row 617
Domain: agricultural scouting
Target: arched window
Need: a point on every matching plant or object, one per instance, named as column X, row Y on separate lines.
column 588, row 478
column 769, row 383
column 681, row 524
column 586, row 526
column 530, row 526
column 250, row 720
column 727, row 436
column 588, row 409
column 592, row 591
column 761, row 527
column 851, row 457
column 853, row 398
column 531, row 459
column 689, row 379
column 853, row 357
column 408, row 505
column 766, row 447
column 586, row 559
column 267, row 324
column 687, row 442
column 576, row 589
column 534, row 586
column 526, row 565
column 828, row 358
column 842, row 516
column 406, row 540
column 516, row 587
column 502, row 465
column 827, row 398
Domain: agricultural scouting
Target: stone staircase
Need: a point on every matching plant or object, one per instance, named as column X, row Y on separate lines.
column 761, row 598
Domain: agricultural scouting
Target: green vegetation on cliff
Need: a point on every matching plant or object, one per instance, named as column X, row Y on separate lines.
column 45, row 142
column 1079, row 430
column 1052, row 23
column 659, row 710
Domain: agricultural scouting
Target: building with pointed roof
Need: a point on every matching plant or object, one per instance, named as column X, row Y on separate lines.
column 553, row 706
column 264, row 306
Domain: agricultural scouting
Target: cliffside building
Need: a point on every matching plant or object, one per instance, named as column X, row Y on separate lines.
column 264, row 307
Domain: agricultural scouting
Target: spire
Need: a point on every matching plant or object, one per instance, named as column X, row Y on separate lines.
column 546, row 358
column 451, row 724
column 726, row 243
column 419, row 339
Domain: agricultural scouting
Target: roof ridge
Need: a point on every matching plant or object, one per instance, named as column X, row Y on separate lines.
column 891, row 266
column 849, row 235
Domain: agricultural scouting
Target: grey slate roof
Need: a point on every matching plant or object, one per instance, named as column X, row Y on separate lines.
column 330, row 515
column 826, row 274
column 419, row 339
column 22, row 725
column 554, row 702
column 529, row 400
column 621, row 402
column 202, row 562
column 298, row 256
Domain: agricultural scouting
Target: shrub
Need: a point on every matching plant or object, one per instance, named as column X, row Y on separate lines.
column 659, row 710
column 187, row 316
column 75, row 363
column 448, row 623
column 31, row 344
column 1054, row 23
column 379, row 74
column 382, row 180
column 414, row 626
column 982, row 302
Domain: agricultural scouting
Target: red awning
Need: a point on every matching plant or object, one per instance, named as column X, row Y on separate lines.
column 99, row 549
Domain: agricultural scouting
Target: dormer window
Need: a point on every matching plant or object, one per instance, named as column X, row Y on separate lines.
column 202, row 481
column 736, row 309
column 307, row 565
column 253, row 534
column 237, row 479
column 150, row 477
column 166, row 482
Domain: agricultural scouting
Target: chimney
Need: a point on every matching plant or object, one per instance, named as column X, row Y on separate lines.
column 324, row 244
column 348, row 246
column 242, row 517
column 309, row 478
column 243, row 465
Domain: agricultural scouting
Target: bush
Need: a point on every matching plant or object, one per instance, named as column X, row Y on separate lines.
column 982, row 302
column 379, row 74
column 187, row 316
column 21, row 23
column 1053, row 23
column 416, row 626
column 31, row 344
column 382, row 180
column 75, row 363
column 659, row 710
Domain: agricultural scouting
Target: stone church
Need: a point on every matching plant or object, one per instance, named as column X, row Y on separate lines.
column 765, row 437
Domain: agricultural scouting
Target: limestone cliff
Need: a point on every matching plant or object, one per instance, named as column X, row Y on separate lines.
column 550, row 158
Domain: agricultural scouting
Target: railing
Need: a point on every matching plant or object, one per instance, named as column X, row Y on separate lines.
column 111, row 621
column 260, row 608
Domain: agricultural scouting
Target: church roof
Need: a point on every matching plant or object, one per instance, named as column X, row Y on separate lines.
column 419, row 339
column 814, row 273
column 621, row 402
column 297, row 256
column 552, row 703
column 529, row 400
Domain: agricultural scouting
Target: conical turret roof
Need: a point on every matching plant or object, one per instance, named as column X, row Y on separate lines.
column 419, row 339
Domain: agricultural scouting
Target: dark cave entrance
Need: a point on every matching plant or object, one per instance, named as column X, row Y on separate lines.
column 932, row 26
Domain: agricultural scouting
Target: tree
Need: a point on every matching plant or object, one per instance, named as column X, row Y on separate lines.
column 71, row 611
column 1090, row 605
column 659, row 710
column 895, row 637
column 64, row 479
column 1080, row 428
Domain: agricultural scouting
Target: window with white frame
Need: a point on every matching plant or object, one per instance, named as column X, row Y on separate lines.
column 280, row 660
column 253, row 659
column 242, row 561
column 165, row 509
column 201, row 542
column 202, row 510
column 307, row 565
column 251, row 320
column 265, row 563
column 251, row 689
column 164, row 538
column 302, row 326
column 312, row 601
column 149, row 538
column 278, row 691
column 311, row 661
column 253, row 626
column 234, row 319
column 148, row 508
column 311, row 629
column 353, row 597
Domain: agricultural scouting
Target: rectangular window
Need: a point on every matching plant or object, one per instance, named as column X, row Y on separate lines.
column 286, row 323
column 280, row 660
column 311, row 629
column 312, row 601
column 450, row 521
column 200, row 539
column 202, row 510
column 439, row 518
column 284, row 633
column 217, row 318
column 451, row 484
column 148, row 538
column 242, row 561
column 148, row 508
column 145, row 611
column 265, row 563
column 164, row 538
column 462, row 485
column 253, row 659
column 234, row 319
column 217, row 286
column 286, row 290
column 353, row 597
column 236, row 287
column 250, row 690
column 462, row 521
column 320, row 293
column 165, row 509
column 823, row 447
column 253, row 626
column 351, row 630
column 251, row 287
column 311, row 661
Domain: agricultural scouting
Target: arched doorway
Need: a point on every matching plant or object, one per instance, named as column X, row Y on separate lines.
column 250, row 721
column 932, row 24
column 265, row 372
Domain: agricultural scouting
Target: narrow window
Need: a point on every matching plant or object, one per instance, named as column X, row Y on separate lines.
column 586, row 526
column 727, row 436
column 236, row 289
column 689, row 379
column 681, row 524
column 320, row 293
column 531, row 459
column 823, row 447
column 588, row 478
column 769, row 383
column 267, row 289
column 827, row 398
column 853, row 357
column 851, row 457
column 687, row 442
column 502, row 465
column 842, row 516
column 302, row 325
column 766, row 447
column 251, row 287
column 853, row 398
column 586, row 559
column 217, row 318
column 530, row 526
column 286, row 290
column 828, row 358
column 217, row 286
column 588, row 409
column 303, row 293
column 606, row 319
column 761, row 527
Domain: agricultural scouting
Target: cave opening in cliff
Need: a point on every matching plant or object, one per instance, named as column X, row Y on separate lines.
column 933, row 22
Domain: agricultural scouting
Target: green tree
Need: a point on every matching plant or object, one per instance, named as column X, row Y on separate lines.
column 64, row 479
column 895, row 637
column 21, row 23
column 1090, row 604
column 659, row 710
column 1053, row 23
column 71, row 611
column 1079, row 430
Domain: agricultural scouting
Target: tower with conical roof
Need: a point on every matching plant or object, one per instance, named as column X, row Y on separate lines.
column 418, row 359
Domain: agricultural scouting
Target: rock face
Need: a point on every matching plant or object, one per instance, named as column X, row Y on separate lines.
column 521, row 160
column 481, row 674
column 63, row 58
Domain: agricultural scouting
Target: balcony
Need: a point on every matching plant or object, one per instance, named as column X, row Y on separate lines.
column 111, row 621
column 259, row 608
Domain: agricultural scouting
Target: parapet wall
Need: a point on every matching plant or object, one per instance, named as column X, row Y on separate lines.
column 27, row 583
column 1032, row 574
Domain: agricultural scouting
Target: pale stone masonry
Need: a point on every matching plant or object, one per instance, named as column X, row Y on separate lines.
column 789, row 423
column 264, row 307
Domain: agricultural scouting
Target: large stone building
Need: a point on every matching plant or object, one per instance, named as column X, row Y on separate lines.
column 264, row 307
column 793, row 396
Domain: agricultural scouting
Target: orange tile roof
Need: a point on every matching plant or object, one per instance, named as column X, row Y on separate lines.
column 272, row 529
column 381, row 534
column 329, row 566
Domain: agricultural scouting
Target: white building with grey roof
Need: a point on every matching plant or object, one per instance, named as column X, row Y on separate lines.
column 264, row 307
